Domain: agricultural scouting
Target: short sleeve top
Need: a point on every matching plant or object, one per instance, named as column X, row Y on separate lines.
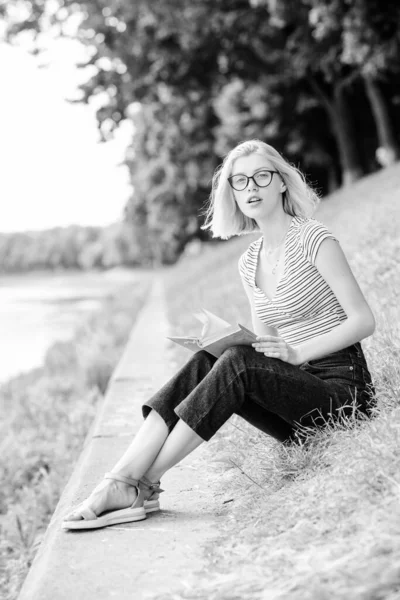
column 304, row 306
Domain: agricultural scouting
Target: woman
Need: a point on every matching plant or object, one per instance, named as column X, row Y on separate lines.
column 311, row 369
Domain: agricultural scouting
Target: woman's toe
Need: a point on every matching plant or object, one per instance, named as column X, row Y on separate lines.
column 73, row 516
column 102, row 501
column 81, row 512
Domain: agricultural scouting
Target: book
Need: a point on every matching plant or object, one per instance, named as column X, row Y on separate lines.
column 217, row 335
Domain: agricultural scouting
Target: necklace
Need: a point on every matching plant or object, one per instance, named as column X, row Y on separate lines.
column 273, row 265
column 270, row 252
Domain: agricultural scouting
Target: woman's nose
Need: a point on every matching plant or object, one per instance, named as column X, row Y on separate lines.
column 252, row 184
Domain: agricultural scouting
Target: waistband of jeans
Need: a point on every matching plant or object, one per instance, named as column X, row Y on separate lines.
column 353, row 352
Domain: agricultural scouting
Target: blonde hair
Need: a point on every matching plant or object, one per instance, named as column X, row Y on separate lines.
column 224, row 217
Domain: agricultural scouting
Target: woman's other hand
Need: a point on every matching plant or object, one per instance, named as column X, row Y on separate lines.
column 276, row 347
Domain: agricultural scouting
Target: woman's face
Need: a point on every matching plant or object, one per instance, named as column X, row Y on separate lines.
column 255, row 201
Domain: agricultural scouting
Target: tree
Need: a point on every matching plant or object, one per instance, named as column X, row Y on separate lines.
column 197, row 77
column 315, row 59
column 371, row 34
column 336, row 42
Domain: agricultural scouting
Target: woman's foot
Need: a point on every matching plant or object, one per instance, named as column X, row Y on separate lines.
column 108, row 495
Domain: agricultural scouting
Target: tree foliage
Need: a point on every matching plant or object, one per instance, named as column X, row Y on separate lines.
column 72, row 247
column 316, row 78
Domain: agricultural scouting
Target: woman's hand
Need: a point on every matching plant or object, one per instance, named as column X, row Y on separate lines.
column 276, row 347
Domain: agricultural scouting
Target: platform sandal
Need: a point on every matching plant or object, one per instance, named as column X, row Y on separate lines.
column 151, row 503
column 136, row 512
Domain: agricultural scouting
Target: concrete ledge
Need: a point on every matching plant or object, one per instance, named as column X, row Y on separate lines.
column 130, row 560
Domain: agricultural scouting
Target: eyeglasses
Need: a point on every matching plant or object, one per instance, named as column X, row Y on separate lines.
column 261, row 179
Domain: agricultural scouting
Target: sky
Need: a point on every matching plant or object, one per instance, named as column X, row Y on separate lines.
column 53, row 170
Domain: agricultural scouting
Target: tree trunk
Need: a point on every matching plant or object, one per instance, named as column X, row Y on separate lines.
column 333, row 178
column 389, row 150
column 342, row 126
column 343, row 130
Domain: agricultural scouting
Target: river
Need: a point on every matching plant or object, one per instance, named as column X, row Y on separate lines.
column 39, row 308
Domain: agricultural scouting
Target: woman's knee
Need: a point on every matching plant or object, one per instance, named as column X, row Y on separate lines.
column 232, row 353
column 200, row 356
column 203, row 355
column 237, row 354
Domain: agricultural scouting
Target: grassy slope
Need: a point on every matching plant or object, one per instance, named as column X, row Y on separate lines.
column 321, row 520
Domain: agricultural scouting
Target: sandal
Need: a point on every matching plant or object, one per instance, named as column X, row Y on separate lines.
column 151, row 503
column 142, row 504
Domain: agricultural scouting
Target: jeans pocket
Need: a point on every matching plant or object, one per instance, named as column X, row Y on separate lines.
column 358, row 375
column 337, row 360
column 331, row 370
column 361, row 375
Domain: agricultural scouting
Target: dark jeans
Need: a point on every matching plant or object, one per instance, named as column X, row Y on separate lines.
column 272, row 395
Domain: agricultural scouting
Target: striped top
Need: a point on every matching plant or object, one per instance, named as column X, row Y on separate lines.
column 304, row 306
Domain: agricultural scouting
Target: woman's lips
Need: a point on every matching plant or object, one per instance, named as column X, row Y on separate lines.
column 253, row 199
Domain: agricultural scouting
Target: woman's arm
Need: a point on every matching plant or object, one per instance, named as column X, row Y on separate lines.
column 360, row 323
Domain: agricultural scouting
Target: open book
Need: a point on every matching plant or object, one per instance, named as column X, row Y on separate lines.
column 217, row 335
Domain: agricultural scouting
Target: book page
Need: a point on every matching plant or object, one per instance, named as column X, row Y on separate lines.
column 232, row 336
column 240, row 337
column 212, row 325
column 189, row 343
column 220, row 335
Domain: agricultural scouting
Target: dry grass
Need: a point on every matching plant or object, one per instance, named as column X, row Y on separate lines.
column 319, row 520
column 45, row 415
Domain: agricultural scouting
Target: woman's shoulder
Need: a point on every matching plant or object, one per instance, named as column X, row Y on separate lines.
column 252, row 247
column 308, row 224
column 311, row 233
column 248, row 256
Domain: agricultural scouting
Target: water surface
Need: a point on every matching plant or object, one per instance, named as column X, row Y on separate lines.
column 39, row 308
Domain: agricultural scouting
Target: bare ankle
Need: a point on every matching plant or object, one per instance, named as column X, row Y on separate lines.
column 150, row 477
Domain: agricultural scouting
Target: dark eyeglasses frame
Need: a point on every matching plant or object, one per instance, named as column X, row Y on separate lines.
column 252, row 177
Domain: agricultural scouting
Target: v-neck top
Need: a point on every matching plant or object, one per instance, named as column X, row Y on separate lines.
column 303, row 306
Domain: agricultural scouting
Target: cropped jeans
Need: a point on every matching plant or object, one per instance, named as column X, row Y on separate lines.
column 274, row 396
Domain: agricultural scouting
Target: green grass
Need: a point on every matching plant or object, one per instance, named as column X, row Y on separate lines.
column 320, row 520
column 45, row 416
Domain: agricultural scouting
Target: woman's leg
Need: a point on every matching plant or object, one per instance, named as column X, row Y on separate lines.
column 266, row 421
column 150, row 439
column 181, row 441
column 144, row 447
column 206, row 392
column 270, row 394
column 135, row 462
column 162, row 428
column 242, row 375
